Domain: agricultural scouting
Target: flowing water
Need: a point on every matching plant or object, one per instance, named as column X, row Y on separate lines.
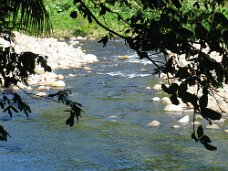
column 113, row 132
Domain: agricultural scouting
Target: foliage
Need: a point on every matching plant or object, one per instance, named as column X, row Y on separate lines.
column 29, row 15
column 32, row 17
column 193, row 29
column 65, row 26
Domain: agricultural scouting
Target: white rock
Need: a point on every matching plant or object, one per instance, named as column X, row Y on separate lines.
column 13, row 88
column 185, row 119
column 163, row 76
column 87, row 68
column 123, row 57
column 213, row 126
column 4, row 43
column 157, row 87
column 220, row 121
column 39, row 70
column 21, row 85
column 112, row 117
column 58, row 83
column 226, row 130
column 59, row 77
column 199, row 117
column 176, row 126
column 73, row 39
column 156, row 99
column 166, row 100
column 72, row 75
column 148, row 88
column 90, row 58
column 28, row 88
column 196, row 123
column 42, row 88
column 41, row 94
column 154, row 123
column 80, row 38
column 173, row 108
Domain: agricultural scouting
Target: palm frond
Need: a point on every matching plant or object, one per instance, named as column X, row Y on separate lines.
column 30, row 15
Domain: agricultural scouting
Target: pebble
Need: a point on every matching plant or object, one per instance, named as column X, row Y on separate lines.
column 173, row 108
column 196, row 123
column 41, row 94
column 42, row 88
column 13, row 88
column 87, row 68
column 176, row 126
column 226, row 130
column 112, row 116
column 185, row 119
column 72, row 75
column 213, row 126
column 90, row 58
column 166, row 100
column 156, row 99
column 59, row 77
column 198, row 117
column 58, row 83
column 154, row 123
column 157, row 87
column 123, row 57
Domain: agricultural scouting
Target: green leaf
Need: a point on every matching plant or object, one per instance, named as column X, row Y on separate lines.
column 200, row 132
column 205, row 91
column 76, row 1
column 174, row 99
column 203, row 101
column 166, row 89
column 210, row 147
column 185, row 33
column 14, row 109
column 194, row 137
column 3, row 134
column 70, row 120
column 104, row 40
column 10, row 113
column 73, row 14
column 174, row 87
column 221, row 19
column 225, row 36
column 182, row 88
column 205, row 139
column 211, row 114
column 182, row 73
column 201, row 32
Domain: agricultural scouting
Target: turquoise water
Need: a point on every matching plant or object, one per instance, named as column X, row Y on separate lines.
column 112, row 134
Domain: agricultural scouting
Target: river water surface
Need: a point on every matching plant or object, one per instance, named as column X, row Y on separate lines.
column 113, row 132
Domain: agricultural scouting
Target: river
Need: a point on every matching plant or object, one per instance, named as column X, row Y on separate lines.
column 113, row 132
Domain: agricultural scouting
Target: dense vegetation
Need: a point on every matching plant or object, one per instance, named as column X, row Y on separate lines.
column 65, row 26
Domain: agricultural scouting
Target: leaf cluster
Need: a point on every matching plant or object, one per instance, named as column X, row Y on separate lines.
column 193, row 29
column 75, row 108
column 16, row 68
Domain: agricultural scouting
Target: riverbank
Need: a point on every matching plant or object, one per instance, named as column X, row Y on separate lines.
column 61, row 53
